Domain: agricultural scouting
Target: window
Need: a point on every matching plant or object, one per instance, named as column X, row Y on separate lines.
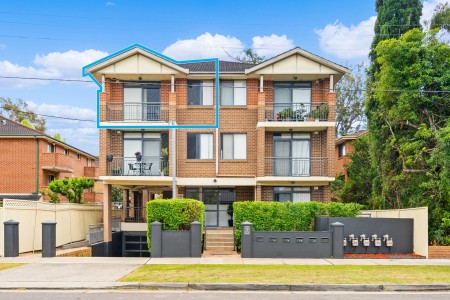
column 88, row 162
column 199, row 146
column 66, row 151
column 78, row 156
column 200, row 92
column 50, row 178
column 50, row 148
column 293, row 194
column 193, row 193
column 234, row 146
column 341, row 150
column 294, row 96
column 233, row 92
column 291, row 154
column 141, row 101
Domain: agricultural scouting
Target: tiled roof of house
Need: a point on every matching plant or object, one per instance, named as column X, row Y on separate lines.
column 9, row 127
column 350, row 136
column 224, row 67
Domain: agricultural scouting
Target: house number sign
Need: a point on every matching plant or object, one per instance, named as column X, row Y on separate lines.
column 246, row 230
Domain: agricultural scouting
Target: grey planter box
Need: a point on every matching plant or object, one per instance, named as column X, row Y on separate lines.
column 168, row 243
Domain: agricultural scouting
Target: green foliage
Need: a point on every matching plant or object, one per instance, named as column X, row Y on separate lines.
column 72, row 188
column 20, row 112
column 408, row 115
column 276, row 216
column 350, row 102
column 441, row 17
column 250, row 56
column 394, row 18
column 117, row 194
column 174, row 214
column 54, row 197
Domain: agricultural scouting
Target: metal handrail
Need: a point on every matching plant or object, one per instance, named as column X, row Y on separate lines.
column 297, row 112
column 296, row 166
column 137, row 111
column 131, row 166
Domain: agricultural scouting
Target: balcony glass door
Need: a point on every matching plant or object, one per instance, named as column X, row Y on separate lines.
column 132, row 99
column 292, row 98
column 151, row 102
column 151, row 157
column 292, row 155
column 216, row 202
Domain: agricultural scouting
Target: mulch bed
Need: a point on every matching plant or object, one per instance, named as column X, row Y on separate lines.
column 383, row 255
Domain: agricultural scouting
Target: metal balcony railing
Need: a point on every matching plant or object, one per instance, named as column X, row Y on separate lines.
column 137, row 111
column 134, row 214
column 130, row 166
column 296, row 167
column 297, row 112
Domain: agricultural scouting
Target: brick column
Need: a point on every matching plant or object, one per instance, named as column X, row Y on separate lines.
column 260, row 136
column 105, row 136
column 103, row 100
column 258, row 193
column 107, row 219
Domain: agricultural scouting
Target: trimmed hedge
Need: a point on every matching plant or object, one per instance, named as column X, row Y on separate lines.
column 174, row 214
column 276, row 216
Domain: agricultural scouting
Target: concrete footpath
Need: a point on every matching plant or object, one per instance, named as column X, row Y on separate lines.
column 73, row 273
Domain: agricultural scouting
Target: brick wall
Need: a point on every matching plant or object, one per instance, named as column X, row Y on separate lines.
column 245, row 193
column 341, row 162
column 439, row 252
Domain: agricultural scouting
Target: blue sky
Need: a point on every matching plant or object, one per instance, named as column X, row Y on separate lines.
column 55, row 39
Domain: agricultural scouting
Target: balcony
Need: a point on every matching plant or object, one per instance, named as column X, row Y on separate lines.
column 133, row 112
column 147, row 166
column 296, row 167
column 303, row 116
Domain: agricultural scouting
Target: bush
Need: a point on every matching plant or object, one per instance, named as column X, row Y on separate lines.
column 174, row 214
column 276, row 216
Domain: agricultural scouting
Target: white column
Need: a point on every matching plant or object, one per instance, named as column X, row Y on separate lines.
column 103, row 82
column 172, row 83
column 261, row 83
column 331, row 83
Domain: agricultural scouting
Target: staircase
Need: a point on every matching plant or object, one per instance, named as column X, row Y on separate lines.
column 219, row 241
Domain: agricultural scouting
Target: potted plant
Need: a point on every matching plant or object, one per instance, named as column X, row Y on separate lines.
column 287, row 114
column 230, row 213
column 116, row 171
column 138, row 156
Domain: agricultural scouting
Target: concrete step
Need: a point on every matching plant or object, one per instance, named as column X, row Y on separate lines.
column 221, row 248
column 214, row 239
column 209, row 244
column 219, row 235
column 75, row 245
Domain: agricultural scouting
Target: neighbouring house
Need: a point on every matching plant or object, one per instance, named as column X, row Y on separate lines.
column 342, row 149
column 274, row 142
column 30, row 160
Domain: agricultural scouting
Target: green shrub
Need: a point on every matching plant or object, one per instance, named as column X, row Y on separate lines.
column 275, row 216
column 174, row 214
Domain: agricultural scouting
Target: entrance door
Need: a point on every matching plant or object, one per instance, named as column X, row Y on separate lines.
column 217, row 201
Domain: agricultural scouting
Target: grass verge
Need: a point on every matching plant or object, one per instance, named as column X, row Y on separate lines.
column 290, row 274
column 8, row 266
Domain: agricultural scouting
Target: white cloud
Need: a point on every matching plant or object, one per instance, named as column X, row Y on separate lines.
column 82, row 135
column 272, row 45
column 65, row 65
column 110, row 4
column 205, row 46
column 428, row 9
column 347, row 42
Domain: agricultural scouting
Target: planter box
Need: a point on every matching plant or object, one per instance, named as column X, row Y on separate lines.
column 439, row 252
column 180, row 243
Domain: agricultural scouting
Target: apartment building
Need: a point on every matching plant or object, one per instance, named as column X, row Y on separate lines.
column 30, row 160
column 344, row 147
column 244, row 131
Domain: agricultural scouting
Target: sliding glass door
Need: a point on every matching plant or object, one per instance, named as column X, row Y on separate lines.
column 292, row 155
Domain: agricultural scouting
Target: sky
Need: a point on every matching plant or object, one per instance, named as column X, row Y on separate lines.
column 55, row 39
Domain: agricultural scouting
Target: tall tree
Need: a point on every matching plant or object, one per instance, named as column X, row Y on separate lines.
column 350, row 115
column 441, row 17
column 394, row 18
column 249, row 56
column 410, row 124
column 20, row 112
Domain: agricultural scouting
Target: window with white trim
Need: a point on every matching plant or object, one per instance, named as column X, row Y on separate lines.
column 292, row 194
column 200, row 92
column 233, row 92
column 341, row 150
column 50, row 148
column 199, row 146
column 233, row 146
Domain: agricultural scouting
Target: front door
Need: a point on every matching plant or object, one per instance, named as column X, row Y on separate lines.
column 217, row 202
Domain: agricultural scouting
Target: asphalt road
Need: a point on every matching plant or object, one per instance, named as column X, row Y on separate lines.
column 211, row 295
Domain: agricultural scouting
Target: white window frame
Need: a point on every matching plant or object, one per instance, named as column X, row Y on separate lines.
column 238, row 147
column 202, row 140
column 206, row 92
column 239, row 91
column 51, row 148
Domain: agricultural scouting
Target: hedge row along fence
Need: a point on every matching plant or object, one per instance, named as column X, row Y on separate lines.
column 174, row 214
column 276, row 216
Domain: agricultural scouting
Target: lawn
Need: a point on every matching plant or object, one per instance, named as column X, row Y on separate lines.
column 8, row 266
column 290, row 274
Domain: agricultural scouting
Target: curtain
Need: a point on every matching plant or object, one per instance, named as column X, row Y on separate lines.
column 227, row 146
column 281, row 161
column 132, row 98
column 207, row 92
column 206, row 146
column 300, row 158
column 226, row 92
column 240, row 92
column 301, row 197
column 240, row 146
column 151, row 155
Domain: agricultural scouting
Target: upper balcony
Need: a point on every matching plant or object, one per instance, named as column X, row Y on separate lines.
column 130, row 166
column 135, row 112
column 302, row 116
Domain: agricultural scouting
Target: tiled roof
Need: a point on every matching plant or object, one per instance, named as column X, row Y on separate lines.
column 9, row 127
column 224, row 67
column 32, row 197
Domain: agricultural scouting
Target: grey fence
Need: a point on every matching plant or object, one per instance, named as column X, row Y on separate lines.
column 292, row 244
column 373, row 235
column 180, row 243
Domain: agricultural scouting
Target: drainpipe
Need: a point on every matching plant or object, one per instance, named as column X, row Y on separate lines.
column 37, row 165
column 217, row 152
column 174, row 159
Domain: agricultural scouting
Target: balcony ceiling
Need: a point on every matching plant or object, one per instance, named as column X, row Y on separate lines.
column 294, row 181
column 296, row 126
